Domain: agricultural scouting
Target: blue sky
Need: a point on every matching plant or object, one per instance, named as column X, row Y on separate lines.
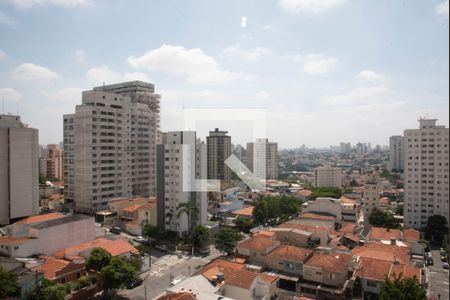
column 326, row 71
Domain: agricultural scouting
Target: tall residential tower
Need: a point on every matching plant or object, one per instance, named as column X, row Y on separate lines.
column 219, row 149
column 396, row 153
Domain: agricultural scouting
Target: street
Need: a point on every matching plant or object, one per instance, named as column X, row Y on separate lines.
column 438, row 278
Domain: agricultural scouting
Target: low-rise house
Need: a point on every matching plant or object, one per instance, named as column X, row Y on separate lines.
column 385, row 252
column 412, row 238
column 26, row 279
column 292, row 236
column 325, row 206
column 325, row 276
column 319, row 235
column 117, row 205
column 384, row 234
column 21, row 228
column 315, row 219
column 246, row 212
column 256, row 248
column 61, row 270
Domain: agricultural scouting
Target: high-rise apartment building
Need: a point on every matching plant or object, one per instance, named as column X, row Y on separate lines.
column 51, row 163
column 327, row 176
column 396, row 153
column 19, row 178
column 371, row 194
column 263, row 150
column 172, row 161
column 110, row 145
column 219, row 149
column 426, row 169
column 345, row 147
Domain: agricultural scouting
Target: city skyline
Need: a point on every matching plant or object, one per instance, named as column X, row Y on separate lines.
column 296, row 59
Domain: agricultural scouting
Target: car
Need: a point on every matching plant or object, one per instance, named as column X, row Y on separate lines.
column 444, row 258
column 430, row 262
column 132, row 284
column 445, row 265
column 162, row 247
column 140, row 239
column 115, row 230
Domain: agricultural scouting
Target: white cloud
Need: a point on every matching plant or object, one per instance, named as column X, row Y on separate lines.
column 309, row 6
column 79, row 56
column 3, row 55
column 371, row 75
column 193, row 63
column 250, row 55
column 244, row 22
column 9, row 94
column 442, row 8
column 65, row 3
column 29, row 71
column 6, row 20
column 357, row 96
column 105, row 74
column 262, row 95
column 269, row 27
column 315, row 64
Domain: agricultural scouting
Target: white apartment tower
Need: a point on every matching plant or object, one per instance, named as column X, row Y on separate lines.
column 263, row 150
column 19, row 181
column 172, row 161
column 328, row 176
column 51, row 163
column 396, row 153
column 371, row 194
column 426, row 169
column 219, row 149
column 110, row 145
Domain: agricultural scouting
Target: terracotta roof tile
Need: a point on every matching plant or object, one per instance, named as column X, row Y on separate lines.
column 10, row 240
column 148, row 206
column 257, row 243
column 384, row 252
column 330, row 262
column 373, row 269
column 346, row 200
column 406, row 271
column 304, row 227
column 114, row 247
column 178, row 296
column 291, row 253
column 411, row 235
column 131, row 208
column 347, row 228
column 245, row 212
column 380, row 233
column 40, row 218
column 264, row 233
column 52, row 265
column 316, row 217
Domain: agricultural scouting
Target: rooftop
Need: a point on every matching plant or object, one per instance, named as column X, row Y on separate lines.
column 257, row 243
column 246, row 211
column 347, row 228
column 61, row 221
column 40, row 218
column 316, row 217
column 9, row 240
column 114, row 247
column 178, row 296
column 382, row 251
column 380, row 233
column 330, row 262
column 291, row 253
column 411, row 235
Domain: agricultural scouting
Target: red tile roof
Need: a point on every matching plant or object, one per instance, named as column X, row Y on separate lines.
column 244, row 212
column 336, row 263
column 411, row 235
column 132, row 208
column 347, row 228
column 380, row 233
column 10, row 240
column 305, row 227
column 178, row 296
column 257, row 243
column 384, row 252
column 373, row 269
column 291, row 253
column 40, row 218
column 52, row 266
column 114, row 247
column 316, row 217
column 148, row 206
column 407, row 271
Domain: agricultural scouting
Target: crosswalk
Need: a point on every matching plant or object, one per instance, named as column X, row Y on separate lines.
column 159, row 265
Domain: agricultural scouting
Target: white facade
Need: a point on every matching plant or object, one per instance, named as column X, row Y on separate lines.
column 171, row 193
column 19, row 190
column 371, row 195
column 426, row 169
column 396, row 153
column 263, row 150
column 110, row 145
column 345, row 147
column 327, row 176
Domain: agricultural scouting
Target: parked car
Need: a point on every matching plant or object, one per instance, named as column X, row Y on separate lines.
column 131, row 285
column 162, row 247
column 445, row 265
column 140, row 239
column 430, row 261
column 115, row 230
column 444, row 258
column 442, row 251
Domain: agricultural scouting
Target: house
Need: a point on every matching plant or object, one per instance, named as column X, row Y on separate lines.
column 325, row 206
column 20, row 228
column 26, row 279
column 316, row 219
column 384, row 234
column 326, row 275
column 385, row 252
column 289, row 259
column 179, row 296
column 117, row 205
column 246, row 212
column 319, row 234
column 292, row 236
column 60, row 270
column 256, row 248
column 412, row 238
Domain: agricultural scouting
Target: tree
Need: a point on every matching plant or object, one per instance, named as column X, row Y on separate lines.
column 399, row 210
column 200, row 234
column 402, row 289
column 98, row 259
column 275, row 210
column 357, row 287
column 380, row 218
column 188, row 208
column 243, row 224
column 117, row 274
column 8, row 284
column 436, row 228
column 226, row 240
column 151, row 231
column 47, row 290
column 42, row 178
column 333, row 192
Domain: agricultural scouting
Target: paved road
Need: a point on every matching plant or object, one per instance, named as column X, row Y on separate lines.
column 438, row 278
column 163, row 269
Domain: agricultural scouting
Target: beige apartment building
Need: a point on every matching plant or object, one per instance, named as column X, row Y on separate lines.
column 396, row 153
column 426, row 169
column 263, row 150
column 219, row 149
column 327, row 176
column 51, row 163
column 110, row 145
column 19, row 190
column 371, row 194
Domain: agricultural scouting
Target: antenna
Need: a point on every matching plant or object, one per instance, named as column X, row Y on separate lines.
column 3, row 103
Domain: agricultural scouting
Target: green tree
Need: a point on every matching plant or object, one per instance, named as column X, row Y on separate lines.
column 380, row 218
column 47, row 290
column 117, row 274
column 332, row 192
column 8, row 284
column 275, row 210
column 402, row 289
column 357, row 287
column 243, row 224
column 42, row 178
column 399, row 210
column 151, row 231
column 98, row 259
column 436, row 228
column 200, row 234
column 227, row 239
column 190, row 209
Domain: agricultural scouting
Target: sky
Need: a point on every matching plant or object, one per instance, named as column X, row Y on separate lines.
column 325, row 71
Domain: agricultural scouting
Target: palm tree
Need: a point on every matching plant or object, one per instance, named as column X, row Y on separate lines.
column 189, row 209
